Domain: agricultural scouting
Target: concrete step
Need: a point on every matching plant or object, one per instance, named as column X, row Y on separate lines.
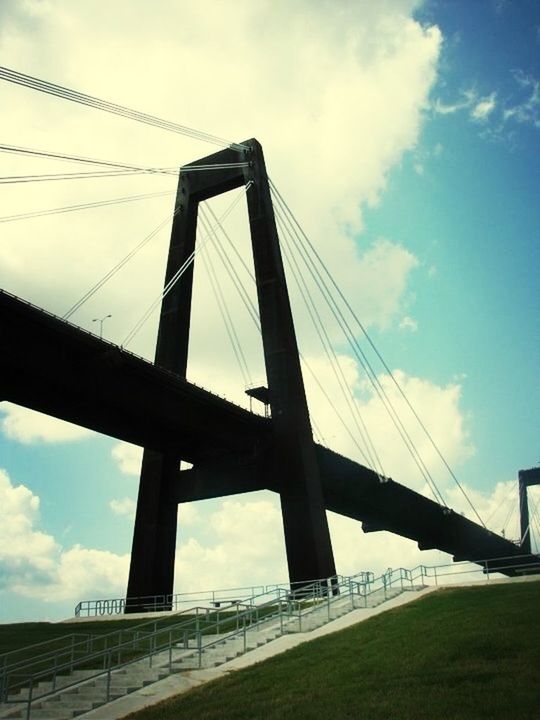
column 63, row 706
column 48, row 714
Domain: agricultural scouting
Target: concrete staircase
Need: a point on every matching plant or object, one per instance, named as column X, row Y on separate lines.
column 84, row 690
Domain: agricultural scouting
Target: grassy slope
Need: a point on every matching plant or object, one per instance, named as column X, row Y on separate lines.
column 462, row 653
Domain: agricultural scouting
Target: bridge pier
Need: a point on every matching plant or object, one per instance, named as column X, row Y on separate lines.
column 154, row 537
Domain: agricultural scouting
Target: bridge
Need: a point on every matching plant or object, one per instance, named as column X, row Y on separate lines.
column 50, row 365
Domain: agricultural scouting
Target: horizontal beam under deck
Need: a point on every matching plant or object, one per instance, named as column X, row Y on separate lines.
column 51, row 366
column 355, row 491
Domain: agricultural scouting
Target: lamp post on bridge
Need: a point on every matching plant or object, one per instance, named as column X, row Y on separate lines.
column 101, row 321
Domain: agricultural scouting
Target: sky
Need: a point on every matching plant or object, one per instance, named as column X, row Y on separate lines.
column 405, row 138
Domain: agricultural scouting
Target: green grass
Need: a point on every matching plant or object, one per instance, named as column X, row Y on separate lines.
column 459, row 654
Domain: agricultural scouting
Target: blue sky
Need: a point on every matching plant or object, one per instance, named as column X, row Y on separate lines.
column 476, row 211
column 406, row 138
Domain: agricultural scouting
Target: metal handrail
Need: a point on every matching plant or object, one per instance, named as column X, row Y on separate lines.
column 139, row 631
column 4, row 656
column 160, row 601
column 118, row 605
column 97, row 637
column 30, row 680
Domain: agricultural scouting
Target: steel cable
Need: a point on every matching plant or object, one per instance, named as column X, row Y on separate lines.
column 18, row 78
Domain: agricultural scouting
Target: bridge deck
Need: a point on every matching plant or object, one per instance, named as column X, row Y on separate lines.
column 54, row 367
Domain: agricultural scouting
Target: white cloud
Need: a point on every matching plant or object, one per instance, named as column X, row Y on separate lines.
column 521, row 106
column 479, row 108
column 123, row 506
column 409, row 324
column 247, row 549
column 391, row 265
column 437, row 406
column 24, row 551
column 483, row 108
column 468, row 98
column 27, row 426
column 80, row 574
column 527, row 111
column 33, row 563
column 128, row 457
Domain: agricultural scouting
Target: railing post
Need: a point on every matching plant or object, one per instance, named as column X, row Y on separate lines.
column 170, row 650
column 108, row 676
column 3, row 686
column 328, row 604
column 29, row 702
column 54, row 672
column 199, row 648
column 436, row 581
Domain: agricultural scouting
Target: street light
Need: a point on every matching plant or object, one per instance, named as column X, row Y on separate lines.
column 101, row 321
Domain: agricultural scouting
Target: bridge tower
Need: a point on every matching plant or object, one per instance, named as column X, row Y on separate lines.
column 526, row 478
column 292, row 457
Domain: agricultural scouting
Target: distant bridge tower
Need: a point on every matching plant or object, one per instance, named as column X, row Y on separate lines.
column 526, row 478
column 292, row 455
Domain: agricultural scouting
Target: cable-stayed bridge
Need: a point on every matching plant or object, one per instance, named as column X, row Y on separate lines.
column 51, row 365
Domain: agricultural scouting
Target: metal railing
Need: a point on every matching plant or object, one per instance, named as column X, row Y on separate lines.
column 174, row 602
column 224, row 596
column 210, row 598
column 192, row 633
column 101, row 655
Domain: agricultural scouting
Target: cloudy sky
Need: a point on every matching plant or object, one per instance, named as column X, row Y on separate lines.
column 404, row 136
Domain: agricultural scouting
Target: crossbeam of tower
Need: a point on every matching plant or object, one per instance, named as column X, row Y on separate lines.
column 291, row 455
